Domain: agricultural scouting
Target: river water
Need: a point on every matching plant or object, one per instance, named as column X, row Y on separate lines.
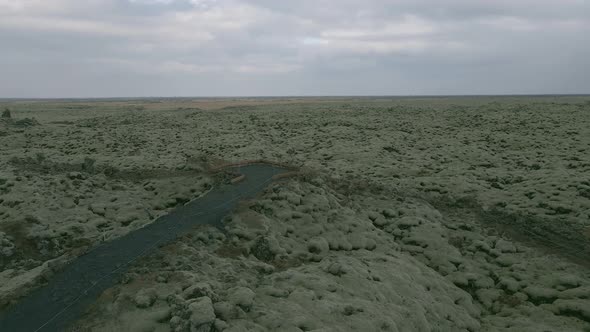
column 64, row 299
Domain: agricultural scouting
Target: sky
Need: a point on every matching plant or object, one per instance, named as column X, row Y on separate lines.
column 148, row 48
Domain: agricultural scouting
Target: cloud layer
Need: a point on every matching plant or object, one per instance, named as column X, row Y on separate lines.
column 99, row 48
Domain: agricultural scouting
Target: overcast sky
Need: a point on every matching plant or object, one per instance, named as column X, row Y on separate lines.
column 114, row 48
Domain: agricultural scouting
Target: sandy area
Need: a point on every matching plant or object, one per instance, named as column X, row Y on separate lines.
column 431, row 214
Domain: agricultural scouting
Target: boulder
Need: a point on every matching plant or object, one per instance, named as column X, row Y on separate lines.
column 202, row 314
column 242, row 297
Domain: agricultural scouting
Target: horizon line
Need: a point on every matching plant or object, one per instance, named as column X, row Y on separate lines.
column 299, row 96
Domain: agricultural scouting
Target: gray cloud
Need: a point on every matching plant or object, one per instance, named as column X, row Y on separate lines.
column 94, row 48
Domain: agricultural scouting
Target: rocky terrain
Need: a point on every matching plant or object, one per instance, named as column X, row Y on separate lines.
column 443, row 214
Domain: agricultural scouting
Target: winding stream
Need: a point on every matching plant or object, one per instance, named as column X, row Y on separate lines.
column 58, row 304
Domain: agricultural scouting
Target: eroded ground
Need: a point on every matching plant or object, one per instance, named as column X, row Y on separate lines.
column 412, row 214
